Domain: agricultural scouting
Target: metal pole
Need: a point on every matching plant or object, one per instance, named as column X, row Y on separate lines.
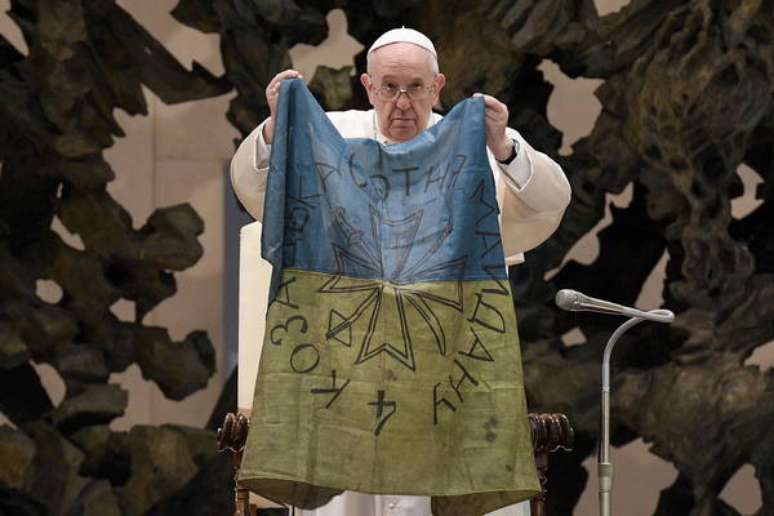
column 605, row 466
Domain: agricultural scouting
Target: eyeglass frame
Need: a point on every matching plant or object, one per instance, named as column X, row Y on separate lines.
column 429, row 90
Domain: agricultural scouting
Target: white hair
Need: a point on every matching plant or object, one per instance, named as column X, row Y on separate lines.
column 431, row 60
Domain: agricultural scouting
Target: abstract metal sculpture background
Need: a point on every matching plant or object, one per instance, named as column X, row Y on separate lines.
column 687, row 98
column 87, row 58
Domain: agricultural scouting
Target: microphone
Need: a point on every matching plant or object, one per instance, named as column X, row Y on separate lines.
column 574, row 301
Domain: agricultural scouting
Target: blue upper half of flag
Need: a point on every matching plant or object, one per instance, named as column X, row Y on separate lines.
column 423, row 210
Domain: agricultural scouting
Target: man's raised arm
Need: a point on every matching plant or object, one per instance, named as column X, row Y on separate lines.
column 533, row 200
column 250, row 164
column 536, row 191
column 249, row 171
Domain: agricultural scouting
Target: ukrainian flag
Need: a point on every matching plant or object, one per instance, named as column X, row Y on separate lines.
column 391, row 359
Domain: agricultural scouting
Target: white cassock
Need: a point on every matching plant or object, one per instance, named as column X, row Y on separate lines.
column 532, row 192
column 358, row 504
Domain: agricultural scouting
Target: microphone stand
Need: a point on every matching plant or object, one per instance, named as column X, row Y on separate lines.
column 604, row 466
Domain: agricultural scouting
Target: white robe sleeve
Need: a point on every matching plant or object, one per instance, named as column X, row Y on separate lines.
column 249, row 171
column 250, row 164
column 533, row 193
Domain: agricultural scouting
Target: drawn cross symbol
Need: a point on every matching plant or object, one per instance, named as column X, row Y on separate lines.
column 398, row 298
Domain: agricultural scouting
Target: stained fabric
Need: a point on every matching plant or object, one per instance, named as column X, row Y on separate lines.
column 391, row 361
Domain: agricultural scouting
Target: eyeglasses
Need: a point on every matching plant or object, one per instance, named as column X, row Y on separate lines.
column 391, row 92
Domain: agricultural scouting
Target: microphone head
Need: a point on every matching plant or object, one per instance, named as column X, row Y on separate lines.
column 567, row 299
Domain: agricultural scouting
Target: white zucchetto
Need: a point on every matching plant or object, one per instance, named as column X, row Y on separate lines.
column 404, row 35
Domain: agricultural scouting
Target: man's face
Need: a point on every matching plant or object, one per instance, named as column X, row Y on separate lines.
column 408, row 67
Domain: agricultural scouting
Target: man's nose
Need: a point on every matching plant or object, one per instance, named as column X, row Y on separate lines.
column 403, row 102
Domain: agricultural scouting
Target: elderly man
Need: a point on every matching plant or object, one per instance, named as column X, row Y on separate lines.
column 403, row 83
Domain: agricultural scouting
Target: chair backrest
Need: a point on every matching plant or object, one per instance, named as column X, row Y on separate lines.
column 254, row 277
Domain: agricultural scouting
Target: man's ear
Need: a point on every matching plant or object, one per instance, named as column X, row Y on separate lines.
column 439, row 82
column 365, row 80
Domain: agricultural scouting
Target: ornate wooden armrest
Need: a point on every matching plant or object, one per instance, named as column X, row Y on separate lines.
column 231, row 438
column 550, row 433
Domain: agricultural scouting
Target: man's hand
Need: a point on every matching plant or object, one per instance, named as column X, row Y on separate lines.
column 496, row 122
column 272, row 95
